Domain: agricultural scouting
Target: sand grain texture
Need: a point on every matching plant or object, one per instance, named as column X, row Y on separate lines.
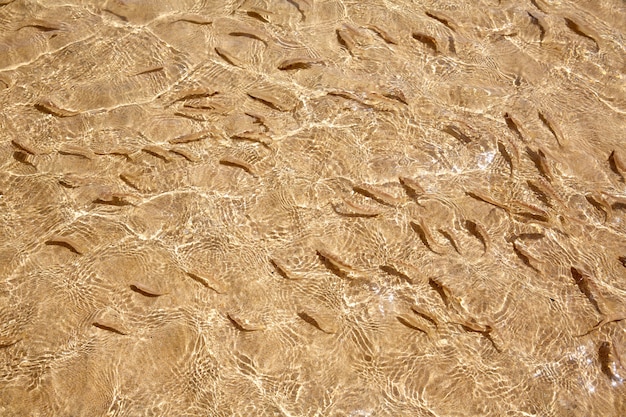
column 312, row 208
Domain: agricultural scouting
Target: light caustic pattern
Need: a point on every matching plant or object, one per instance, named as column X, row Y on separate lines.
column 312, row 208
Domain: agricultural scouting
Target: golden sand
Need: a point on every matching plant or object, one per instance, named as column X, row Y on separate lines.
column 313, row 208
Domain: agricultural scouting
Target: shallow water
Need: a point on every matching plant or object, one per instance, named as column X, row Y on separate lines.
column 312, row 208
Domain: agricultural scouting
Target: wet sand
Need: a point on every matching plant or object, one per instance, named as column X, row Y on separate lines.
column 312, row 208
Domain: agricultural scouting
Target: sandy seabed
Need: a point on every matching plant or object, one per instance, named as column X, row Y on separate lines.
column 312, row 208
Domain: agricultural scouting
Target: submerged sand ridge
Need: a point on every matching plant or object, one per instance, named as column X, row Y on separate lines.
column 312, row 208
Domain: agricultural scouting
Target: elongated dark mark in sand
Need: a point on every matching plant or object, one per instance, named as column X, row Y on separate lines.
column 114, row 199
column 299, row 8
column 279, row 266
column 477, row 195
column 298, row 63
column 471, row 325
column 412, row 187
column 307, row 317
column 195, row 19
column 203, row 107
column 345, row 39
column 267, row 100
column 383, row 34
column 132, row 180
column 451, row 45
column 401, row 270
column 42, row 26
column 583, row 281
column 149, row 71
column 600, row 203
column 609, row 318
column 617, row 162
column 228, row 57
column 530, row 211
column 479, row 232
column 609, row 361
column 244, row 325
column 73, row 181
column 534, row 3
column 552, row 127
column 397, row 95
column 158, row 152
column 195, row 94
column 208, row 283
column 425, row 236
column 536, row 22
column 23, row 145
column 46, row 106
column 127, row 153
column 259, row 119
column 425, row 315
column 237, row 163
column 528, row 236
column 617, row 202
column 256, row 137
column 191, row 137
column 356, row 210
column 546, row 188
column 4, row 345
column 441, row 289
column 375, row 193
column 65, row 242
column 325, row 321
column 24, row 158
column 441, row 20
column 256, row 15
column 540, row 160
column 456, row 133
column 507, row 157
column 392, row 271
column 513, row 125
column 541, row 194
column 428, row 41
column 185, row 153
column 304, row 316
column 526, row 257
column 578, row 29
column 146, row 290
column 250, row 34
column 199, row 104
column 334, row 263
column 622, row 260
column 85, row 152
column 413, row 324
column 449, row 234
column 108, row 327
column 349, row 96
column 73, row 150
column 119, row 16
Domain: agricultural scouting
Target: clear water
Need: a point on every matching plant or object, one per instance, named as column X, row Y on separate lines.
column 312, row 208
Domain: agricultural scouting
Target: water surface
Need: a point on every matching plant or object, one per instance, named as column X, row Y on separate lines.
column 312, row 208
